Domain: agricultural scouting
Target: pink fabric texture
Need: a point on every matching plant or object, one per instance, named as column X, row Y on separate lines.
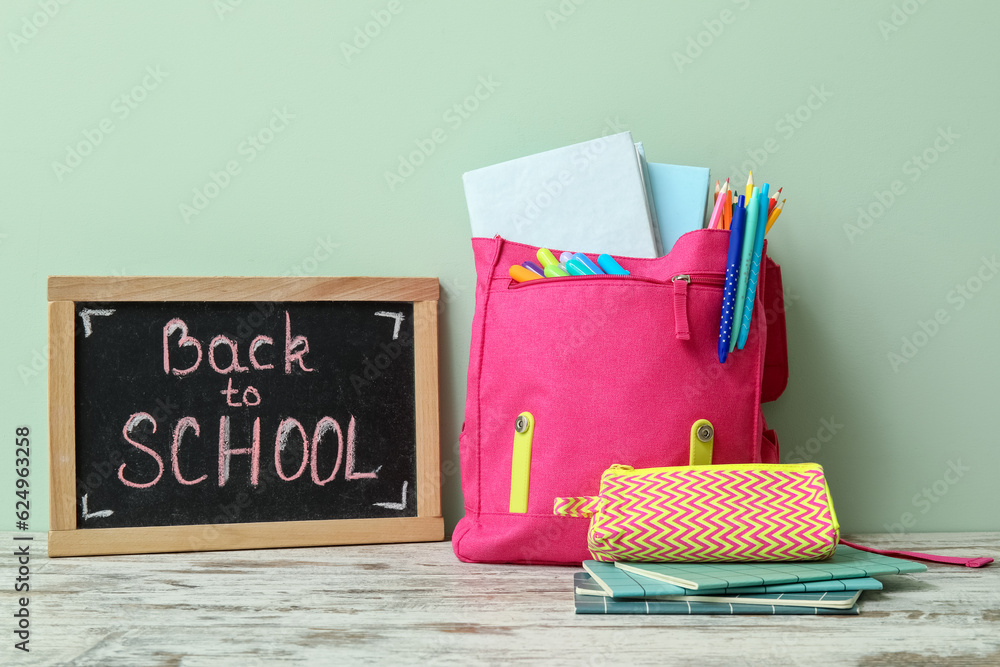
column 612, row 368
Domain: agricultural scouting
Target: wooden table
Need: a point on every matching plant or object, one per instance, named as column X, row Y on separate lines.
column 415, row 603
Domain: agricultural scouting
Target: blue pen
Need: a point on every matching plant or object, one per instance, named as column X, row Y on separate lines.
column 576, row 268
column 586, row 261
column 610, row 266
column 746, row 253
column 758, row 247
column 732, row 278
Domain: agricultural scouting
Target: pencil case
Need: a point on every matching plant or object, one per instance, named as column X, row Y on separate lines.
column 710, row 513
column 569, row 375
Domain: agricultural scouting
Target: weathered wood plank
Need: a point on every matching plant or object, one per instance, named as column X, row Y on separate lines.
column 410, row 603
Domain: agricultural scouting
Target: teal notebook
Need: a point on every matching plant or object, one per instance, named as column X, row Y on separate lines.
column 606, row 579
column 594, row 604
column 680, row 200
column 846, row 563
column 586, row 585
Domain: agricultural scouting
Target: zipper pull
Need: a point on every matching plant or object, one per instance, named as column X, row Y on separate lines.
column 681, row 283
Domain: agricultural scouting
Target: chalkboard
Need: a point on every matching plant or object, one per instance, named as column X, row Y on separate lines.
column 191, row 411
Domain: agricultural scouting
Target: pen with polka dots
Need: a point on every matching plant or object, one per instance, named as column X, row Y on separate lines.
column 732, row 278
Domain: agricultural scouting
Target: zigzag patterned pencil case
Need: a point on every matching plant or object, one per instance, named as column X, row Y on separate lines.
column 751, row 512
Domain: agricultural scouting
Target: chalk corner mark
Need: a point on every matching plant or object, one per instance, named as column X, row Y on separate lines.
column 85, row 315
column 399, row 317
column 100, row 514
column 395, row 506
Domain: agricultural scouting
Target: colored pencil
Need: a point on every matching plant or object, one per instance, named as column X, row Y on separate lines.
column 727, row 209
column 773, row 200
column 771, row 219
column 713, row 222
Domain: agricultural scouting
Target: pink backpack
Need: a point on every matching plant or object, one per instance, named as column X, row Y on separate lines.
column 611, row 369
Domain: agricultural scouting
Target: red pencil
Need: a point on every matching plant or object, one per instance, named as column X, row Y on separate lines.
column 774, row 200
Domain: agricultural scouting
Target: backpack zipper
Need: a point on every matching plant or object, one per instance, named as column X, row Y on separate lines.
column 681, row 282
column 712, row 279
column 558, row 279
column 707, row 279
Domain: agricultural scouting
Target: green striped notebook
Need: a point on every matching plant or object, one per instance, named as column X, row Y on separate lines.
column 846, row 563
column 596, row 604
column 618, row 583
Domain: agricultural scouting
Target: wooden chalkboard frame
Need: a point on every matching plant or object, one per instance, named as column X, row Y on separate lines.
column 65, row 539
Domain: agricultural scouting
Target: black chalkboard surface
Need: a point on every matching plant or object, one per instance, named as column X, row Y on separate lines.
column 215, row 412
column 148, row 374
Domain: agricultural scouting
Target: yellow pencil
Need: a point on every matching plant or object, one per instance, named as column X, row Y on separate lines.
column 749, row 186
column 771, row 219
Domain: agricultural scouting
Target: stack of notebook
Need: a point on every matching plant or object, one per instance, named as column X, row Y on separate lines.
column 831, row 586
column 599, row 196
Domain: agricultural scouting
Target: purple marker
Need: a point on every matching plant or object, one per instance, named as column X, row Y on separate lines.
column 534, row 268
column 565, row 257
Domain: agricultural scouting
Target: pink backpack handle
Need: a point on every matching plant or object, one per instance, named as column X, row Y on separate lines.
column 915, row 555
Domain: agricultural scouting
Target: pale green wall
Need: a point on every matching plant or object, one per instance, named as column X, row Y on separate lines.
column 607, row 64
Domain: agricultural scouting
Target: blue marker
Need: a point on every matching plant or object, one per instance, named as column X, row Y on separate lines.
column 586, row 261
column 610, row 266
column 576, row 268
column 732, row 279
